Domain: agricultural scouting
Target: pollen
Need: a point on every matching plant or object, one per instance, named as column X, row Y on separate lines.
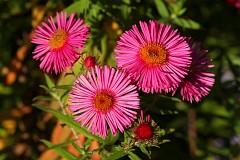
column 103, row 101
column 153, row 54
column 58, row 39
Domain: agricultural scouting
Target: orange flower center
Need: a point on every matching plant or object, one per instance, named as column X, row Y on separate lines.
column 153, row 54
column 103, row 101
column 58, row 39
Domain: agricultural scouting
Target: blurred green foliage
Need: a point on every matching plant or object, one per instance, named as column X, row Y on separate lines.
column 216, row 118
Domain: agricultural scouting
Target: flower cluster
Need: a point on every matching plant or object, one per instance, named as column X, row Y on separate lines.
column 151, row 57
column 159, row 59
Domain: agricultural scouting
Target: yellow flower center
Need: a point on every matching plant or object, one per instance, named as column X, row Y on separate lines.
column 103, row 101
column 58, row 39
column 153, row 54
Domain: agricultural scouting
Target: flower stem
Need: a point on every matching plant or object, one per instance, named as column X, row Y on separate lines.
column 73, row 131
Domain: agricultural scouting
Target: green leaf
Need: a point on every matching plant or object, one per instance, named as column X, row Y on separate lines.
column 46, row 88
column 111, row 139
column 87, row 143
column 117, row 155
column 171, row 98
column 62, row 152
column 66, row 87
column 49, row 82
column 161, row 8
column 68, row 121
column 145, row 151
column 53, row 146
column 42, row 98
column 50, row 91
column 83, row 157
column 164, row 141
column 78, row 7
column 125, row 10
column 80, row 150
column 186, row 23
column 182, row 11
column 133, row 156
column 104, row 47
column 163, row 132
column 64, row 96
column 176, row 8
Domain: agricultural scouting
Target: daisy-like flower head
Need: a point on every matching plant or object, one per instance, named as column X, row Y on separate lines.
column 199, row 81
column 58, row 44
column 103, row 99
column 155, row 56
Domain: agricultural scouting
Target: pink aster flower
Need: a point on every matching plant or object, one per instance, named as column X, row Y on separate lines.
column 155, row 56
column 198, row 82
column 58, row 44
column 104, row 99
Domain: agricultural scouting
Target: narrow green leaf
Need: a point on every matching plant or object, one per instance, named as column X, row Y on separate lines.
column 78, row 7
column 187, row 23
column 182, row 11
column 62, row 152
column 165, row 141
column 163, row 132
column 172, row 98
column 45, row 88
column 83, row 157
column 145, row 151
column 50, row 91
column 111, row 139
column 104, row 47
column 53, row 146
column 125, row 11
column 133, row 156
column 42, row 98
column 80, row 150
column 66, row 87
column 49, row 82
column 87, row 143
column 68, row 121
column 177, row 8
column 64, row 96
column 117, row 155
column 161, row 8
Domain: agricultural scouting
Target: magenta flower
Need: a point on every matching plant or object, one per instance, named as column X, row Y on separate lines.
column 104, row 98
column 58, row 45
column 198, row 82
column 156, row 57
